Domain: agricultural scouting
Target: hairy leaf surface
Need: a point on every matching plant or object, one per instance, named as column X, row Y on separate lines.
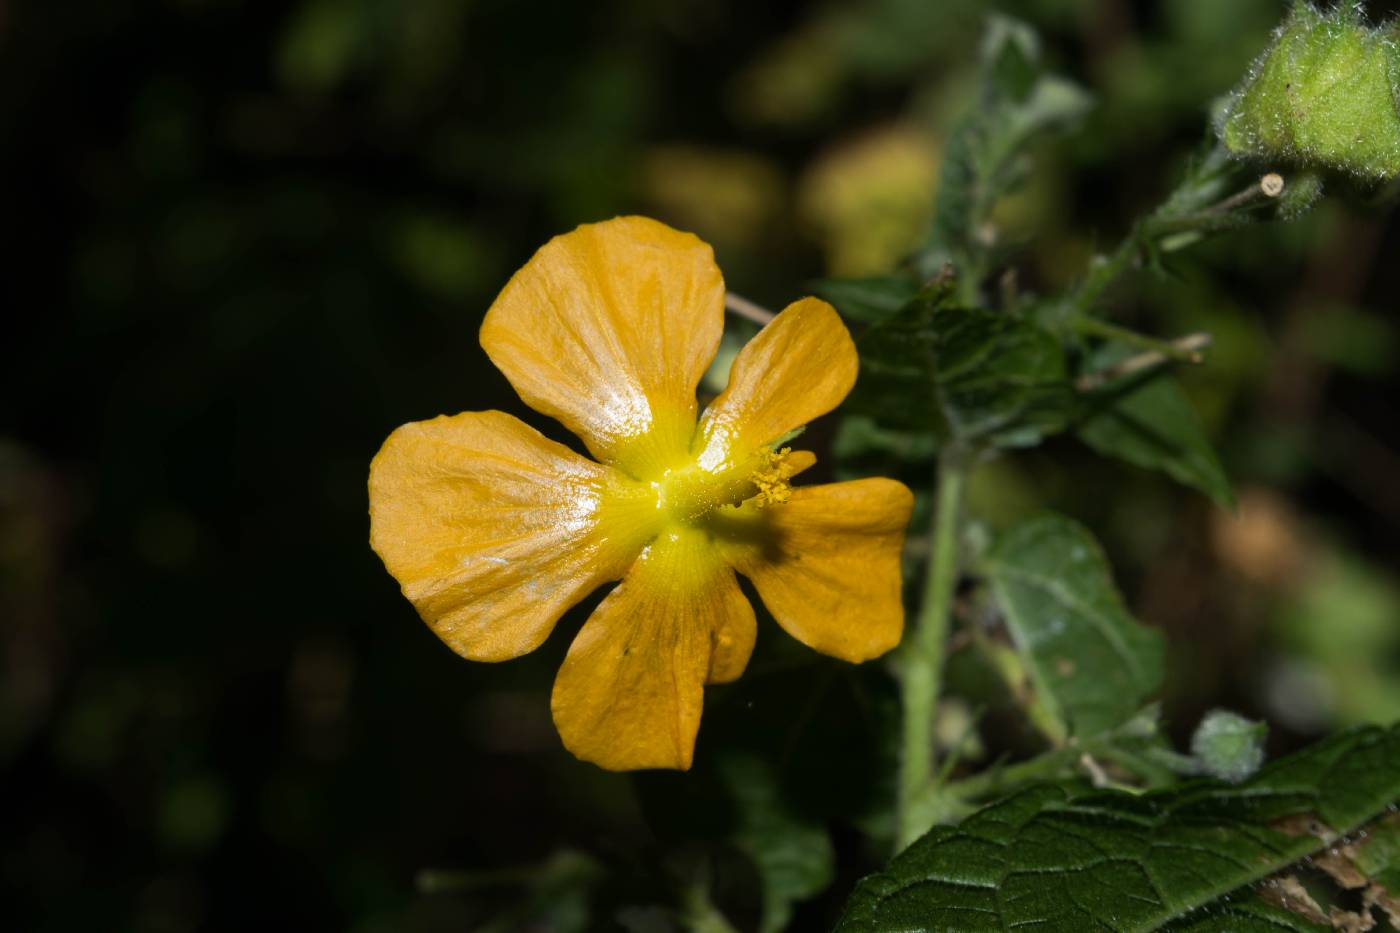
column 1090, row 661
column 1068, row 858
column 1152, row 425
column 971, row 376
column 985, row 156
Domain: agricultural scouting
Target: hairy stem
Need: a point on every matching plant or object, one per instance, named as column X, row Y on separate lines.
column 1054, row 763
column 1195, row 207
column 996, row 780
column 921, row 672
column 1169, row 349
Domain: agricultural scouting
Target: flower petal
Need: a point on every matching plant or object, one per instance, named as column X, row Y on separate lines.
column 827, row 563
column 609, row 329
column 732, row 639
column 492, row 530
column 799, row 367
column 630, row 691
column 799, row 461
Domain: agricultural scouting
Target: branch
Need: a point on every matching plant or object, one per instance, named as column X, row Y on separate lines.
column 739, row 306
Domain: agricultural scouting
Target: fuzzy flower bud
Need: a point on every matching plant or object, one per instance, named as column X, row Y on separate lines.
column 1323, row 95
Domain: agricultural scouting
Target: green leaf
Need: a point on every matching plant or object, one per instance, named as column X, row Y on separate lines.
column 1252, row 916
column 1068, row 859
column 1089, row 660
column 1378, row 855
column 868, row 299
column 793, row 854
column 971, row 376
column 1229, row 746
column 862, row 448
column 983, row 162
column 1152, row 425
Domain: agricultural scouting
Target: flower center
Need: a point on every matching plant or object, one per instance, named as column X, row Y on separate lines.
column 690, row 493
column 772, row 480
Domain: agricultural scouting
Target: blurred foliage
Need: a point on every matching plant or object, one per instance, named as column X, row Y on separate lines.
column 868, row 200
column 246, row 241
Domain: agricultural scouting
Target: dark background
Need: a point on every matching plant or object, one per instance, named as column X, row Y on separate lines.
column 245, row 241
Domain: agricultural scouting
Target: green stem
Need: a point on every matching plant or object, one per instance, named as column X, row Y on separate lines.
column 1052, row 764
column 1153, row 773
column 1103, row 272
column 1194, row 207
column 1101, row 328
column 996, row 780
column 921, row 672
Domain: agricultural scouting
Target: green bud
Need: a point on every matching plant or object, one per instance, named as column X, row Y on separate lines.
column 1228, row 746
column 1325, row 94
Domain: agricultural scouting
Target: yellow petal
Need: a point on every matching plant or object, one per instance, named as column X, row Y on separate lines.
column 732, row 639
column 799, row 461
column 630, row 692
column 827, row 563
column 799, row 367
column 492, row 530
column 609, row 329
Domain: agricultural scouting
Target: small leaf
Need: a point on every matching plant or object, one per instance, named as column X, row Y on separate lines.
column 971, row 376
column 869, row 299
column 1090, row 661
column 983, row 161
column 794, row 856
column 1065, row 858
column 1229, row 746
column 1152, row 425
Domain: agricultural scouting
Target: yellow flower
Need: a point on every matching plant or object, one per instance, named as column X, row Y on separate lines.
column 493, row 531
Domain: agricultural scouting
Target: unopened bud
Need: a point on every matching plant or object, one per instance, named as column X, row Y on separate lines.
column 1323, row 95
